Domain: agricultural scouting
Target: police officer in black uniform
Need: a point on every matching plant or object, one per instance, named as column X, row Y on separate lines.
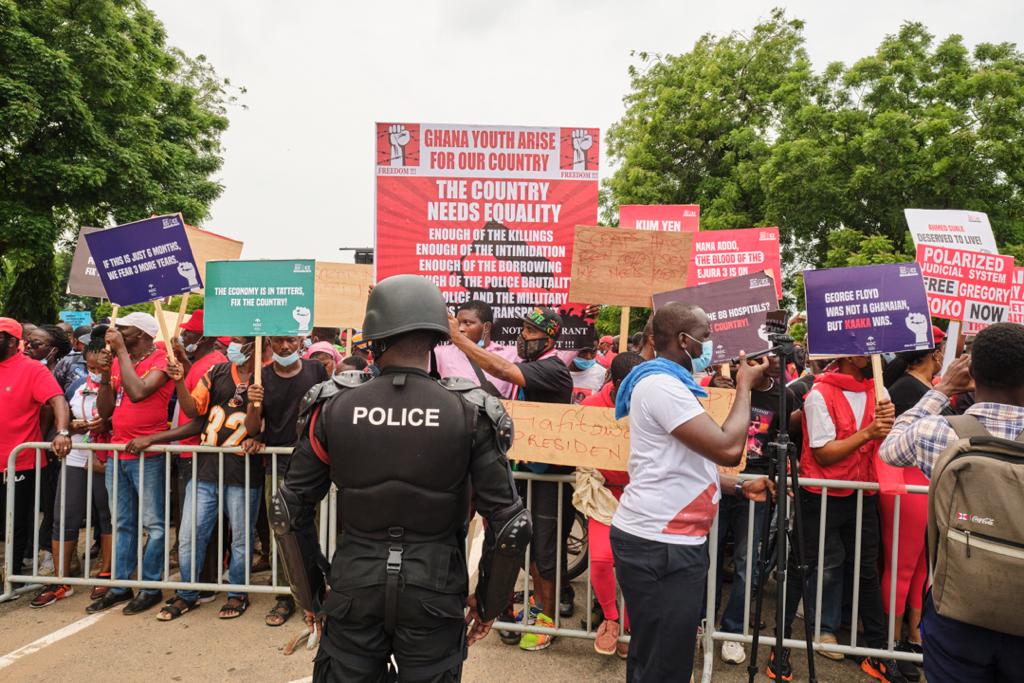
column 406, row 453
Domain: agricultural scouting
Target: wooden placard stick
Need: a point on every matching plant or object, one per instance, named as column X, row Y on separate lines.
column 624, row 330
column 257, row 368
column 181, row 313
column 113, row 319
column 158, row 307
column 876, row 369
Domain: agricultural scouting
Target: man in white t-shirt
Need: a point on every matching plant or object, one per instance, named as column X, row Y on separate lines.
column 668, row 508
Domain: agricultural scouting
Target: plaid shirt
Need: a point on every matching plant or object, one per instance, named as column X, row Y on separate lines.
column 920, row 435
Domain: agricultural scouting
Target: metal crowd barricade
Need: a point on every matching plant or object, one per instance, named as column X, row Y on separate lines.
column 328, row 532
column 34, row 578
column 767, row 640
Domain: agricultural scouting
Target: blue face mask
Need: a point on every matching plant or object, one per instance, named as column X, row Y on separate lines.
column 582, row 364
column 235, row 355
column 306, row 342
column 482, row 344
column 291, row 359
column 703, row 361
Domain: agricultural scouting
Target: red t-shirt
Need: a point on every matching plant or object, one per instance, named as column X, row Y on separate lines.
column 195, row 373
column 25, row 385
column 614, row 480
column 146, row 417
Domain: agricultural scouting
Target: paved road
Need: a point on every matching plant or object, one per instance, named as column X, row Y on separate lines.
column 198, row 646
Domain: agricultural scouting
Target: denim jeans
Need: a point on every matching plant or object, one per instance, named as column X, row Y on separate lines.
column 148, row 472
column 205, row 525
column 734, row 514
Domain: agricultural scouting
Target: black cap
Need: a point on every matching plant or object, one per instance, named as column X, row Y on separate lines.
column 546, row 320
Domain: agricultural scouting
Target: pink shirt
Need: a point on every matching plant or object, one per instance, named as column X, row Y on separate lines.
column 451, row 362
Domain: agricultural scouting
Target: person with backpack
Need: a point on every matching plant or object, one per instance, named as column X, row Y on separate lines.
column 973, row 626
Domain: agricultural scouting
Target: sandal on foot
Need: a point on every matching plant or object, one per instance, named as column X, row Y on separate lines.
column 281, row 612
column 174, row 608
column 233, row 608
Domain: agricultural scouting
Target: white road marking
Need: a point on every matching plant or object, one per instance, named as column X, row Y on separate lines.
column 58, row 635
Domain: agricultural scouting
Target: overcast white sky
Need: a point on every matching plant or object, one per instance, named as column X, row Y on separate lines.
column 298, row 169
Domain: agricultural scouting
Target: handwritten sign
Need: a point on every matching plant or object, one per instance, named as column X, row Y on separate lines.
column 585, row 436
column 626, row 267
column 341, row 292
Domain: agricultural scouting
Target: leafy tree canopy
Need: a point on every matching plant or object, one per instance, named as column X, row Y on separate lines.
column 101, row 122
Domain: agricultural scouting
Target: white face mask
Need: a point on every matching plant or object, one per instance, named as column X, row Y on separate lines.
column 95, row 376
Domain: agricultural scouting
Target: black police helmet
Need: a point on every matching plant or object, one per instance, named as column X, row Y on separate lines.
column 404, row 303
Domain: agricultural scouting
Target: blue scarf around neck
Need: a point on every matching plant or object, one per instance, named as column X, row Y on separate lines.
column 657, row 366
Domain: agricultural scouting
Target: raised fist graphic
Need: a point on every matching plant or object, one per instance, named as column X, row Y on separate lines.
column 302, row 316
column 582, row 141
column 919, row 324
column 398, row 138
column 188, row 271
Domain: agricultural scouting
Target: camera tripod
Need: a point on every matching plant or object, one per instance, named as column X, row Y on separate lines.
column 780, row 454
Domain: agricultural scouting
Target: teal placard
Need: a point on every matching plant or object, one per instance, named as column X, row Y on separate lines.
column 259, row 298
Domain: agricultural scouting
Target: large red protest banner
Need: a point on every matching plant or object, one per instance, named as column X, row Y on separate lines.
column 663, row 217
column 486, row 212
column 971, row 286
column 723, row 254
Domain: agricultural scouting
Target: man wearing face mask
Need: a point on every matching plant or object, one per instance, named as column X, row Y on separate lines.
column 25, row 387
column 588, row 376
column 661, row 525
column 196, row 354
column 285, row 382
column 475, row 321
column 220, row 408
column 540, row 376
column 843, row 428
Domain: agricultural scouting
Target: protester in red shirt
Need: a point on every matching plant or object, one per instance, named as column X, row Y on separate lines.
column 134, row 392
column 25, row 386
column 602, row 562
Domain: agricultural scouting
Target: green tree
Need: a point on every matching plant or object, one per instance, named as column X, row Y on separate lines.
column 916, row 124
column 744, row 127
column 698, row 126
column 100, row 122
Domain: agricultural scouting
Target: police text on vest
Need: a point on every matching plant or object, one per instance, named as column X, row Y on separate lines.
column 406, row 417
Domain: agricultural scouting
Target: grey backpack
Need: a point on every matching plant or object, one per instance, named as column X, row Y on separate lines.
column 976, row 528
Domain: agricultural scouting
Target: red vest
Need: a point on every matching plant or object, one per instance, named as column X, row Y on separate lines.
column 859, row 465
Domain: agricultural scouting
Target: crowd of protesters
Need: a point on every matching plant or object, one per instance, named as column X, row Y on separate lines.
column 120, row 385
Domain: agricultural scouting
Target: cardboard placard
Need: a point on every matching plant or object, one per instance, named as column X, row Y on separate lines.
column 971, row 286
column 951, row 228
column 627, row 267
column 145, row 260
column 84, row 279
column 585, row 436
column 663, row 217
column 737, row 309
column 209, row 246
column 341, row 293
column 254, row 298
column 867, row 310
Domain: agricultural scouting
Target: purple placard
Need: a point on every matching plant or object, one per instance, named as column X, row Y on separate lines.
column 146, row 260
column 737, row 309
column 867, row 309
